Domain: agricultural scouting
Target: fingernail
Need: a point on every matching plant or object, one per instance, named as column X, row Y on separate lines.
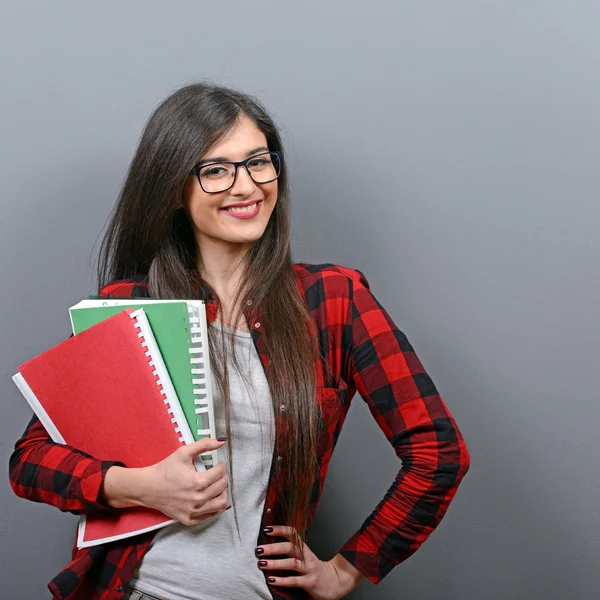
column 271, row 579
column 221, row 439
column 228, row 507
column 259, row 550
column 268, row 530
column 262, row 563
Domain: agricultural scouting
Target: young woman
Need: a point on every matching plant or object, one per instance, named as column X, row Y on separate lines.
column 205, row 213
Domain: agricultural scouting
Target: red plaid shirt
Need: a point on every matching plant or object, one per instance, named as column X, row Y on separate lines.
column 365, row 352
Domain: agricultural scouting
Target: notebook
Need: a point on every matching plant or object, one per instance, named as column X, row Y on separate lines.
column 106, row 391
column 179, row 327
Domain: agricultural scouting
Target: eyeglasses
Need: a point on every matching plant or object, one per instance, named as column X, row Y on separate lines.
column 220, row 176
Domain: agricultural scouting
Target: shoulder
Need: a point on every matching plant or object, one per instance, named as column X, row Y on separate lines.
column 327, row 281
column 308, row 273
column 134, row 287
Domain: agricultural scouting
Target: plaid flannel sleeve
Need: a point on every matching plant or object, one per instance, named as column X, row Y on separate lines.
column 57, row 474
column 403, row 400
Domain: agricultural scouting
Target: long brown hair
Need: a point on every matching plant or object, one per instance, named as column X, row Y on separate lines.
column 149, row 234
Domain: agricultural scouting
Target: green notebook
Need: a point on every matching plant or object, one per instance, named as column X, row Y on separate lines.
column 170, row 323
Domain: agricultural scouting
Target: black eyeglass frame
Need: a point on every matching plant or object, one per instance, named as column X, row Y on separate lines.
column 196, row 170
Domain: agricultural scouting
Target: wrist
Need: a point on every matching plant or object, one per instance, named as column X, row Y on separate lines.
column 122, row 487
column 348, row 575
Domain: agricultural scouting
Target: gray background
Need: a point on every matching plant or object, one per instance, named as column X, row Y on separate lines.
column 447, row 149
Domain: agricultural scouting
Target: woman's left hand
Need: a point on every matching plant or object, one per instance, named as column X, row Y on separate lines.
column 320, row 579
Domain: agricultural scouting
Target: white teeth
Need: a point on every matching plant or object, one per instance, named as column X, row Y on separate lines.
column 249, row 208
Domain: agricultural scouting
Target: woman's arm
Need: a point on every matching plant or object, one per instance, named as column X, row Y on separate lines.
column 386, row 372
column 44, row 471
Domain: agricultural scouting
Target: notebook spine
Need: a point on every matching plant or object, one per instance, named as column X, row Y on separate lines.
column 200, row 371
column 150, row 352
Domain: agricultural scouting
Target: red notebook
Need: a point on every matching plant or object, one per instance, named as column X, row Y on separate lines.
column 107, row 392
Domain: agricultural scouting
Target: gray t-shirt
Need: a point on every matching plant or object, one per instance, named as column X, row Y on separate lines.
column 208, row 561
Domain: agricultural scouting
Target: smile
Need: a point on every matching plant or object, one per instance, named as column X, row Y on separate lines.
column 244, row 212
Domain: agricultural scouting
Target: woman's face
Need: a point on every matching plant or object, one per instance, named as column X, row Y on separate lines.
column 213, row 224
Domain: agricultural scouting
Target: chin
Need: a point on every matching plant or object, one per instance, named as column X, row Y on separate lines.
column 245, row 239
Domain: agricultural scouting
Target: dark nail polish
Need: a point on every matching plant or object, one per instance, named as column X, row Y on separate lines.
column 262, row 563
column 268, row 530
column 221, row 439
column 259, row 550
column 228, row 507
column 271, row 579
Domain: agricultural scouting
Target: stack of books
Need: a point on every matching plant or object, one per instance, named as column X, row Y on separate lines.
column 132, row 385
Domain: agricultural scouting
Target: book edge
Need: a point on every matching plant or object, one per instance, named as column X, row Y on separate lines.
column 82, row 543
column 38, row 409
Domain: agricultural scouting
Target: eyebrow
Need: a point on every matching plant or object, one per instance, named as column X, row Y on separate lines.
column 218, row 159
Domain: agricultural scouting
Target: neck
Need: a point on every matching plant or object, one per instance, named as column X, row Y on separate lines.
column 221, row 265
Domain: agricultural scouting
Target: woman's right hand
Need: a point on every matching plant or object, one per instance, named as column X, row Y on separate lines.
column 172, row 486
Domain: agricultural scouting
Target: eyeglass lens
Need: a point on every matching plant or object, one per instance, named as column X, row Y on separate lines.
column 218, row 177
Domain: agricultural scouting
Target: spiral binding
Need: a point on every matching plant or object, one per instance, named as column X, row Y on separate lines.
column 148, row 355
column 200, row 371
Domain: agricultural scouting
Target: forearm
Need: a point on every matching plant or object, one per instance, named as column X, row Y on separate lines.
column 407, row 515
column 122, row 487
column 41, row 470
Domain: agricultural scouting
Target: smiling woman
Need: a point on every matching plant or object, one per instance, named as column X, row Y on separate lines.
column 204, row 213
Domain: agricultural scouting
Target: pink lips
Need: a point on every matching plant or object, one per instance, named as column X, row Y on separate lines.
column 243, row 215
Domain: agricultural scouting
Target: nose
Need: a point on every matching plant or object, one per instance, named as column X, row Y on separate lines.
column 244, row 184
